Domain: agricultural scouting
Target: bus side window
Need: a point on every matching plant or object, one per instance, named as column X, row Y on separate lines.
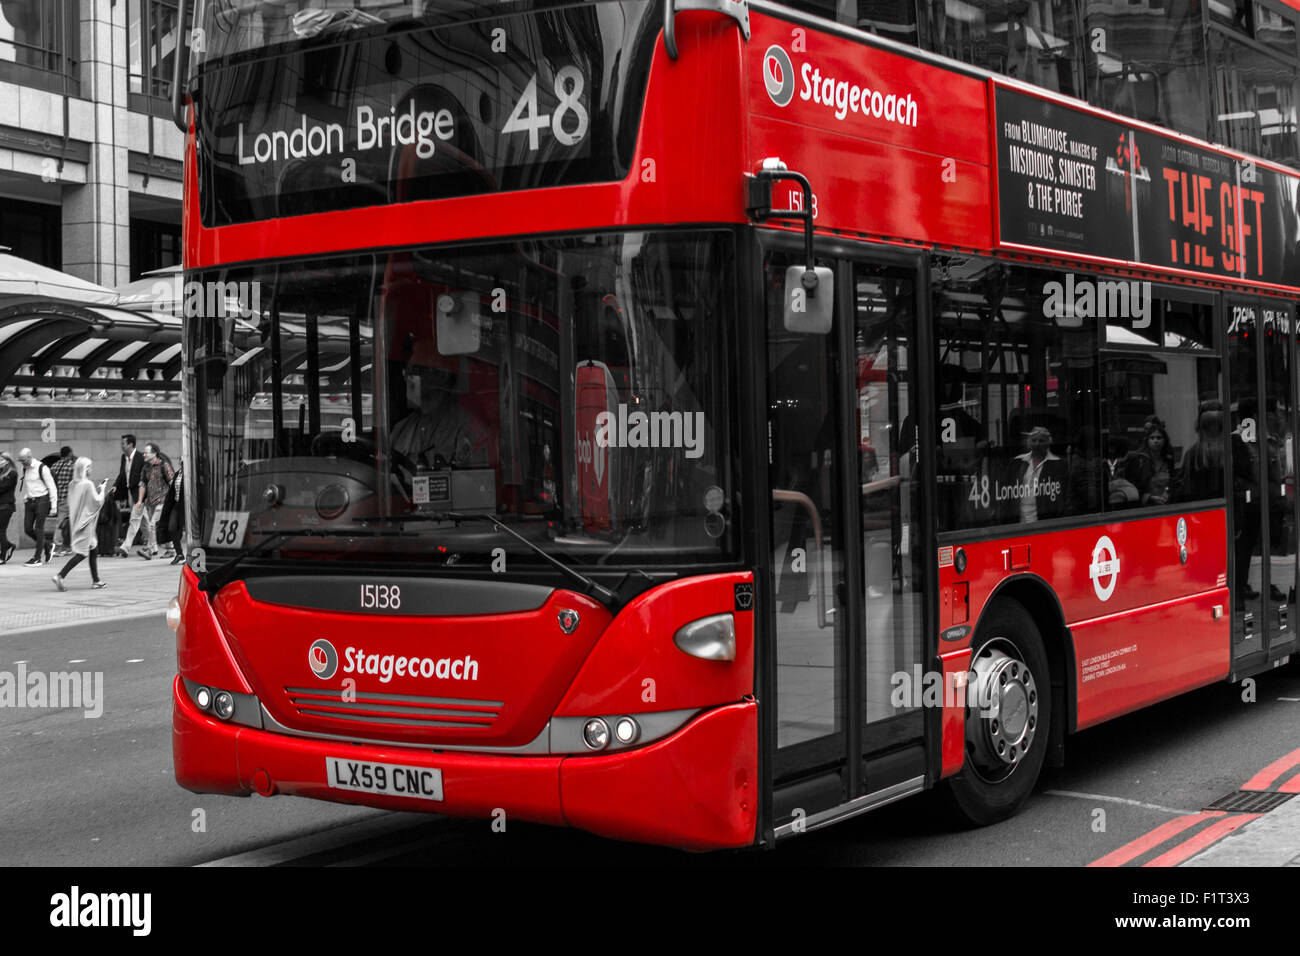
column 1017, row 416
column 1164, row 428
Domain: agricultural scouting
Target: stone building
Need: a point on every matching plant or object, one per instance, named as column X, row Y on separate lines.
column 90, row 184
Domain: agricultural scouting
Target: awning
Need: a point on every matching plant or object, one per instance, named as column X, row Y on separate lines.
column 21, row 279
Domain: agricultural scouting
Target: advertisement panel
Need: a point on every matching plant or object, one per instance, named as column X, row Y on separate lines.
column 1073, row 181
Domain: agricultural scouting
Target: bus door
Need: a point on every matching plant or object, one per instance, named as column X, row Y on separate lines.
column 1261, row 452
column 846, row 570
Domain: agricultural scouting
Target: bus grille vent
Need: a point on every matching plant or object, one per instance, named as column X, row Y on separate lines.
column 395, row 710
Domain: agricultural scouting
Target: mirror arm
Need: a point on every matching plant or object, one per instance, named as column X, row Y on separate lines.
column 759, row 207
column 180, row 67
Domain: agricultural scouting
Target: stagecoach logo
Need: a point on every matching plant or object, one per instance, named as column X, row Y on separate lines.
column 778, row 75
column 1105, row 565
column 324, row 660
column 568, row 620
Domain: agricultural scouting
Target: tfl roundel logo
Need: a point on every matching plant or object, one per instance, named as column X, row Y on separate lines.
column 324, row 660
column 1104, row 569
column 778, row 75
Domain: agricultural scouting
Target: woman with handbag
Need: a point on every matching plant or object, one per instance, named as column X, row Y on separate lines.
column 84, row 502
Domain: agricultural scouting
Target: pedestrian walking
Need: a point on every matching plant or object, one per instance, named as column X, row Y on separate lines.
column 62, row 469
column 40, row 497
column 8, row 485
column 124, row 490
column 155, row 478
column 84, row 502
column 173, row 517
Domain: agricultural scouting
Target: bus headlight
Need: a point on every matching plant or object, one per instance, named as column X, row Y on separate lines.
column 203, row 697
column 626, row 730
column 595, row 734
column 174, row 613
column 223, row 705
column 710, row 638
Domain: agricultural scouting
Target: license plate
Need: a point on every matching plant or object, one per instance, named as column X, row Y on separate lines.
column 390, row 779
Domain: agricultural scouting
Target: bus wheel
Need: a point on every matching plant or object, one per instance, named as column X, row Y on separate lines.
column 1008, row 717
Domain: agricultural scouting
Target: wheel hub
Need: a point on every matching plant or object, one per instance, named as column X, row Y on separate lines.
column 1002, row 710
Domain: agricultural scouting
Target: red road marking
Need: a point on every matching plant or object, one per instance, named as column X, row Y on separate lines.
column 1273, row 772
column 1261, row 781
column 1131, row 851
column 1203, row 839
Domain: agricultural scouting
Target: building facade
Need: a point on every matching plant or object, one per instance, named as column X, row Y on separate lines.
column 90, row 184
column 90, row 161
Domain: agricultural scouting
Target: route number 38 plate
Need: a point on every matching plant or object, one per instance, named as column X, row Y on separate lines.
column 228, row 529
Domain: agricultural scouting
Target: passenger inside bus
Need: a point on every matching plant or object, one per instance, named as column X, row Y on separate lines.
column 1088, row 473
column 1150, row 467
column 1203, row 463
column 439, row 432
column 1038, row 481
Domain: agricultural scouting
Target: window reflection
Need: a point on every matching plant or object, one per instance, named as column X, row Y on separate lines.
column 151, row 45
column 1147, row 60
column 1038, row 420
column 39, row 33
column 1018, row 416
column 895, row 19
column 1255, row 97
column 1032, row 40
column 1275, row 29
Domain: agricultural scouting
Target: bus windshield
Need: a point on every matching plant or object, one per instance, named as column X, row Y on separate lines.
column 574, row 388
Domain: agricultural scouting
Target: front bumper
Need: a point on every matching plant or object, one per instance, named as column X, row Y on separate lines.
column 696, row 789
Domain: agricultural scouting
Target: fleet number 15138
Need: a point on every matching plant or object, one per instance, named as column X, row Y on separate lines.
column 384, row 597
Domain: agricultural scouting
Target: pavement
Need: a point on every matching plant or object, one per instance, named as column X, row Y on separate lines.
column 1267, row 840
column 137, row 588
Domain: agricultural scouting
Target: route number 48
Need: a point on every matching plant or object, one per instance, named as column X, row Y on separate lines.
column 524, row 118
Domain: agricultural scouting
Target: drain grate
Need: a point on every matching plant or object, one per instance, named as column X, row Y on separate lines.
column 1250, row 801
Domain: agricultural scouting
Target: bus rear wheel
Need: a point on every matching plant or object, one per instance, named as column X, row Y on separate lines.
column 1008, row 717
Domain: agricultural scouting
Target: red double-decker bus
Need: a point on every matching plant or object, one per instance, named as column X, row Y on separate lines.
column 698, row 426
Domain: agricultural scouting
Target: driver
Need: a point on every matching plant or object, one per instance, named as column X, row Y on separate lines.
column 437, row 432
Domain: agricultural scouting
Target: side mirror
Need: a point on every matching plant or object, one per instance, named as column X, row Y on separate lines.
column 809, row 299
column 458, row 324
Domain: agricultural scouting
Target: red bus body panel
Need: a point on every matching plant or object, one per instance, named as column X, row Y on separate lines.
column 624, row 668
column 525, row 663
column 1153, row 634
column 927, row 183
column 703, row 775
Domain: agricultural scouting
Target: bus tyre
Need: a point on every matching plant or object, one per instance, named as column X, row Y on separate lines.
column 1008, row 717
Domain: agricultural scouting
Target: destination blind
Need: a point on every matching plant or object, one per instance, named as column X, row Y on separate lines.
column 431, row 112
column 1073, row 181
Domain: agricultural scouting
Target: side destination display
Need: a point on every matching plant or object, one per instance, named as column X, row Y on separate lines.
column 1073, row 181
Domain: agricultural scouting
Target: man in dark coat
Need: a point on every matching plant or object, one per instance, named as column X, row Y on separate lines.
column 127, row 484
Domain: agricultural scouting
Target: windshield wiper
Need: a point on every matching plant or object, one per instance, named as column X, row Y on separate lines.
column 588, row 586
column 214, row 580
